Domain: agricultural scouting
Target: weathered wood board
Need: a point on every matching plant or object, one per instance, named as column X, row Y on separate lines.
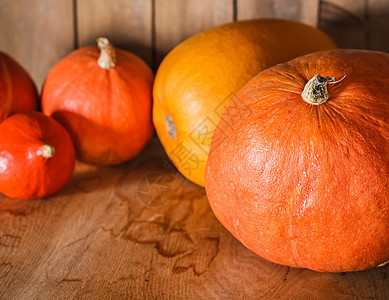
column 38, row 33
column 127, row 24
column 141, row 231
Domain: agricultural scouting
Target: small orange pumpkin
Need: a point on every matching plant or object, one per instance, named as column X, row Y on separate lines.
column 198, row 78
column 103, row 98
column 301, row 175
column 36, row 156
column 17, row 90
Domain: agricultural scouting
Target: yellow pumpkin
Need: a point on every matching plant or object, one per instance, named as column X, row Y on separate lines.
column 200, row 76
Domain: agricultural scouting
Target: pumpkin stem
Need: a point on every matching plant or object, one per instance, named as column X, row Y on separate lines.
column 383, row 264
column 171, row 127
column 315, row 91
column 46, row 151
column 107, row 57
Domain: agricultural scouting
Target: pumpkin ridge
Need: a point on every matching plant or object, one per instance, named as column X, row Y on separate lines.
column 319, row 119
column 59, row 92
column 131, row 113
column 368, row 120
column 121, row 82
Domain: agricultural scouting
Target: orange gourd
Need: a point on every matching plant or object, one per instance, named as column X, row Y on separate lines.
column 103, row 98
column 199, row 77
column 301, row 177
column 36, row 156
column 17, row 90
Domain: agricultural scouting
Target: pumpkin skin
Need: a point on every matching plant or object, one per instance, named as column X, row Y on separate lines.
column 197, row 79
column 17, row 90
column 27, row 168
column 307, row 185
column 106, row 111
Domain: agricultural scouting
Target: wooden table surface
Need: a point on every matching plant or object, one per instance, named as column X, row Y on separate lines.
column 141, row 231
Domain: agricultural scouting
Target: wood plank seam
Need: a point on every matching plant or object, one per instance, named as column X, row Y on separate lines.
column 154, row 58
column 75, row 24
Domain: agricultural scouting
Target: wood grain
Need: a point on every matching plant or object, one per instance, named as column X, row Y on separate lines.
column 360, row 24
column 305, row 11
column 37, row 33
column 176, row 20
column 378, row 25
column 127, row 24
column 141, row 231
column 346, row 22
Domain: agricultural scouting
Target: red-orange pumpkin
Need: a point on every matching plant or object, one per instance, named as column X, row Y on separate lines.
column 103, row 100
column 17, row 90
column 306, row 183
column 36, row 156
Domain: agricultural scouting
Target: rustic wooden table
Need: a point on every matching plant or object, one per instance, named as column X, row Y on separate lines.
column 141, row 231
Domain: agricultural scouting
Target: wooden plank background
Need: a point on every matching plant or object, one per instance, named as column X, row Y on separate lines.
column 38, row 33
column 96, row 239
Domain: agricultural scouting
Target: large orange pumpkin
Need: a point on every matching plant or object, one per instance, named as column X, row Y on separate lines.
column 36, row 156
column 305, row 183
column 103, row 98
column 17, row 90
column 198, row 78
